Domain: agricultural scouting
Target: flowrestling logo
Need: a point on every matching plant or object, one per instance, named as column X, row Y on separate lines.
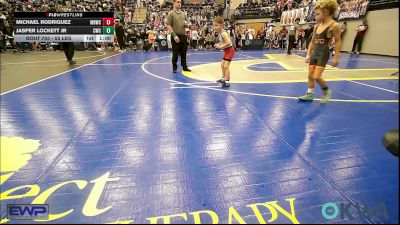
column 350, row 211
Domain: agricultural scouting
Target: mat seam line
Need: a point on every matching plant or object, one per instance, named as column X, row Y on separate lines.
column 40, row 178
column 305, row 159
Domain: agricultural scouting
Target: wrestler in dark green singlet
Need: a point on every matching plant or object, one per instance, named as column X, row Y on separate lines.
column 320, row 55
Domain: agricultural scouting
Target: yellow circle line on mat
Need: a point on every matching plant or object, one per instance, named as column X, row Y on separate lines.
column 296, row 70
column 253, row 94
column 188, row 74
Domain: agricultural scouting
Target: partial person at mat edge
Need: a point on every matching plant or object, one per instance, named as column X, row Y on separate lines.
column 292, row 35
column 69, row 51
column 120, row 34
column 358, row 40
column 318, row 51
column 68, row 47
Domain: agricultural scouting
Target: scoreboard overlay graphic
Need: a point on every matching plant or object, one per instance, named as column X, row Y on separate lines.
column 64, row 27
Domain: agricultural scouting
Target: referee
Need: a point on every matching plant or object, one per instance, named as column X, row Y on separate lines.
column 176, row 23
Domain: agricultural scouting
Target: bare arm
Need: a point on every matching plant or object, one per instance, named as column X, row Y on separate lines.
column 170, row 30
column 338, row 42
column 169, row 23
column 312, row 43
column 227, row 40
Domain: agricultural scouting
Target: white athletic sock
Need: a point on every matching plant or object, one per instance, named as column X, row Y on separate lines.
column 310, row 90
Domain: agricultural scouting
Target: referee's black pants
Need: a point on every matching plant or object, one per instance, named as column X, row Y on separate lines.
column 179, row 49
column 69, row 49
column 292, row 39
column 357, row 42
column 121, row 42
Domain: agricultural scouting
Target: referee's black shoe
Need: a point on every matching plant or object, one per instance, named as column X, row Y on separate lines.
column 71, row 62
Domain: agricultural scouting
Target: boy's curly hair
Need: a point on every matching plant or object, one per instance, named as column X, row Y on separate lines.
column 330, row 5
column 218, row 20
